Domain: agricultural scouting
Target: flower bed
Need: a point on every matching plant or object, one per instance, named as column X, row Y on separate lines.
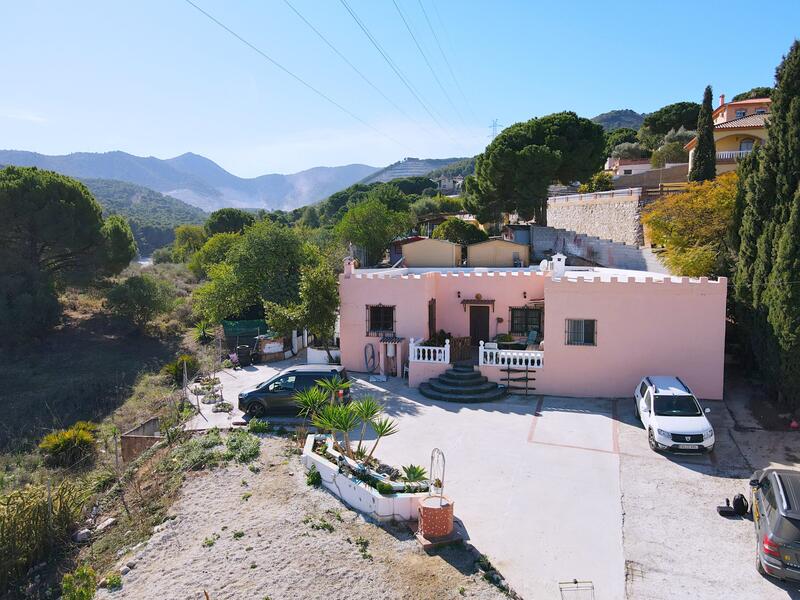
column 358, row 486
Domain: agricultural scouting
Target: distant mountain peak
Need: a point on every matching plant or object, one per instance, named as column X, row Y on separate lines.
column 616, row 119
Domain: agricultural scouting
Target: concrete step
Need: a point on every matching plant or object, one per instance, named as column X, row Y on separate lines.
column 490, row 396
column 464, row 375
column 445, row 387
column 456, row 380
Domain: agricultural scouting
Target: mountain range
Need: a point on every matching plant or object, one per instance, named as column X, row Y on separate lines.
column 197, row 180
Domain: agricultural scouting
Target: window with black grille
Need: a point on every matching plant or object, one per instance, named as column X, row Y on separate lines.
column 581, row 332
column 380, row 320
column 524, row 320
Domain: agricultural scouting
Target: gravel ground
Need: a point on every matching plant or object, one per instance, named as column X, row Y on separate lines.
column 263, row 549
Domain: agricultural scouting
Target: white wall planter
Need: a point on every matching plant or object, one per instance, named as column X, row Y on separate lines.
column 358, row 495
column 317, row 356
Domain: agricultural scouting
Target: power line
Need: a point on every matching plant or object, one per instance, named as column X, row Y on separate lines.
column 394, row 68
column 444, row 56
column 293, row 76
column 494, row 127
column 353, row 67
column 427, row 62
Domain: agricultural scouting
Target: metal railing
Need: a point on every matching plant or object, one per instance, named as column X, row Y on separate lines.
column 496, row 357
column 732, row 154
column 429, row 354
column 629, row 192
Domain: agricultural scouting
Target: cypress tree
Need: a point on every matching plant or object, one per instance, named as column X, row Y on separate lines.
column 768, row 270
column 704, row 163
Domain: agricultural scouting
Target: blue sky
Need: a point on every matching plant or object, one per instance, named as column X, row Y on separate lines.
column 156, row 77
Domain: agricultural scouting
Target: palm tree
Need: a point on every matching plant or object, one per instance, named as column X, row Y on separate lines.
column 325, row 420
column 383, row 427
column 333, row 385
column 367, row 409
column 346, row 420
column 310, row 401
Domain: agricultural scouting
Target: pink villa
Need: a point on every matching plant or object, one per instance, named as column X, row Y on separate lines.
column 580, row 331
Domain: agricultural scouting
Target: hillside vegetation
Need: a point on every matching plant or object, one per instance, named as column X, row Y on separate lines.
column 153, row 216
column 409, row 167
column 617, row 119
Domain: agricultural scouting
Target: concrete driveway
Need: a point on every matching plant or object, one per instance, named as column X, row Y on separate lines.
column 556, row 489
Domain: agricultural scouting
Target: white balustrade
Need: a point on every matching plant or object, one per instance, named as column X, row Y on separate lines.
column 495, row 357
column 732, row 154
column 429, row 354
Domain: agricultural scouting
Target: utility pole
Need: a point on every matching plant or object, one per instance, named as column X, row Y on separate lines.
column 494, row 126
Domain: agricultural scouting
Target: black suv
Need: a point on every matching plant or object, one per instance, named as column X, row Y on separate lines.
column 775, row 498
column 277, row 393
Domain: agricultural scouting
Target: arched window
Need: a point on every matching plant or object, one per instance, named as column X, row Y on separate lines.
column 746, row 145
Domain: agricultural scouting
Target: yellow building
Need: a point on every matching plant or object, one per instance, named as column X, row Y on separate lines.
column 432, row 253
column 738, row 128
column 498, row 253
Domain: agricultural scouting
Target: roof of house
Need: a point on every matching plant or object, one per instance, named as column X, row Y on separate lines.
column 753, row 121
column 722, row 107
column 437, row 240
column 408, row 240
column 497, row 239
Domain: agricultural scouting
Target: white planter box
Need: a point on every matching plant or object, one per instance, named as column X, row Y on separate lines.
column 317, row 356
column 358, row 495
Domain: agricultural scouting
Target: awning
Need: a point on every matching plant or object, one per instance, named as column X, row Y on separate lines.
column 391, row 339
column 477, row 302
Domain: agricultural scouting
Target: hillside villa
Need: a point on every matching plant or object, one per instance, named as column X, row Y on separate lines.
column 738, row 127
column 572, row 331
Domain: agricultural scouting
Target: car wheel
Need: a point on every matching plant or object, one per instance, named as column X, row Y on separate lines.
column 255, row 410
column 652, row 440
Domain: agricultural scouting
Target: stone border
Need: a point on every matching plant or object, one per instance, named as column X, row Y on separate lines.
column 358, row 495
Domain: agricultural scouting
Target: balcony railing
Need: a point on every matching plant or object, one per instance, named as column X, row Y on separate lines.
column 495, row 357
column 429, row 354
column 732, row 154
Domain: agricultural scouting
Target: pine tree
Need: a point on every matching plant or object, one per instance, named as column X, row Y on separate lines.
column 766, row 282
column 704, row 163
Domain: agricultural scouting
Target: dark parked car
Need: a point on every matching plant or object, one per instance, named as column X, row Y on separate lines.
column 277, row 393
column 775, row 498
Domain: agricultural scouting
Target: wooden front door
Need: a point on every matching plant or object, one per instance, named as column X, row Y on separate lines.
column 478, row 324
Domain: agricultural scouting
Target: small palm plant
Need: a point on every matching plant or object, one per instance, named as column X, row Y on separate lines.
column 338, row 418
column 367, row 409
column 383, row 427
column 202, row 332
column 333, row 385
column 310, row 401
column 413, row 473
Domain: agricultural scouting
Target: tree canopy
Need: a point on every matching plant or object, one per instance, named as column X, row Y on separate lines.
column 52, row 234
column 756, row 92
column 692, row 226
column 213, row 252
column 188, row 240
column 673, row 116
column 459, row 231
column 141, row 298
column 767, row 225
column 672, row 152
column 515, row 170
column 704, row 162
column 228, row 220
column 619, row 136
column 371, row 225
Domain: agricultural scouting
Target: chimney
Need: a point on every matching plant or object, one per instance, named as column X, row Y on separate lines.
column 722, row 99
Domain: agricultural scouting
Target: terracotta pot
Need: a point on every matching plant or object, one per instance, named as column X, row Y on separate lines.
column 436, row 516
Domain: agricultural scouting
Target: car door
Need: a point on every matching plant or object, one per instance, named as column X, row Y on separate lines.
column 646, row 409
column 281, row 392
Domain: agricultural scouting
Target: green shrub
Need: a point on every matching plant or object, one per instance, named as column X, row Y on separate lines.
column 141, row 298
column 242, row 446
column 114, row 581
column 258, row 426
column 227, row 364
column 31, row 527
column 68, row 447
column 174, row 369
column 383, row 487
column 211, row 438
column 194, row 456
column 79, row 585
column 314, row 477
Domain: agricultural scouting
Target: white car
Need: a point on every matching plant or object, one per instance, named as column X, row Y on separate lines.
column 672, row 416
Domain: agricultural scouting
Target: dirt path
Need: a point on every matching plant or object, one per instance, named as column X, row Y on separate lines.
column 275, row 544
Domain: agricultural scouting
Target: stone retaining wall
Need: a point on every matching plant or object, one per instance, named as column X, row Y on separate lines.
column 611, row 215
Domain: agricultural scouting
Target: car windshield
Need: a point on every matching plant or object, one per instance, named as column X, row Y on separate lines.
column 676, row 406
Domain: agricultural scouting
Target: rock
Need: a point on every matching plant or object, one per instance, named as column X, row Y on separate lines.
column 139, row 556
column 106, row 524
column 81, row 536
column 103, row 583
column 131, row 564
column 124, row 570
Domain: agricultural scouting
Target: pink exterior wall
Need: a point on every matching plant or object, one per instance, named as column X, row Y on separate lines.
column 420, row 372
column 645, row 327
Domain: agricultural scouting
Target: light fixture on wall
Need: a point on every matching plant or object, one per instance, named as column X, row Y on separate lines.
column 524, row 294
column 459, row 294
